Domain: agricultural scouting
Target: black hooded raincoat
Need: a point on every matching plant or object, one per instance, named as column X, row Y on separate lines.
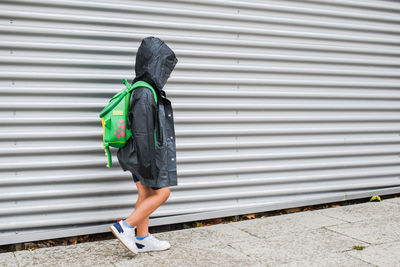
column 153, row 166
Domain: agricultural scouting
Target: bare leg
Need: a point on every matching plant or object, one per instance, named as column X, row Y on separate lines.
column 142, row 228
column 146, row 207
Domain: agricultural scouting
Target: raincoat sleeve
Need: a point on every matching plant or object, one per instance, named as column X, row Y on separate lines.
column 143, row 123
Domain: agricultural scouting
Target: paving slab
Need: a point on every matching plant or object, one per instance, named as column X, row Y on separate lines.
column 100, row 253
column 190, row 242
column 387, row 254
column 372, row 231
column 294, row 222
column 206, row 236
column 202, row 256
column 395, row 200
column 112, row 253
column 295, row 246
column 7, row 260
column 335, row 259
column 359, row 212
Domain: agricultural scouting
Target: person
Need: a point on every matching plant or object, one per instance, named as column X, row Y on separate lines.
column 150, row 154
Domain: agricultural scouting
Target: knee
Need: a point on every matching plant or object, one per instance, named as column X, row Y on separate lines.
column 163, row 194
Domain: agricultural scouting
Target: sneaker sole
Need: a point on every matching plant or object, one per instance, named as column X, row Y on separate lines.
column 112, row 231
column 143, row 251
column 153, row 250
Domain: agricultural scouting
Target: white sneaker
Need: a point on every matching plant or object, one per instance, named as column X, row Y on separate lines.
column 125, row 234
column 151, row 243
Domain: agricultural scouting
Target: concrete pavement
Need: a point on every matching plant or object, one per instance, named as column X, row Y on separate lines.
column 310, row 238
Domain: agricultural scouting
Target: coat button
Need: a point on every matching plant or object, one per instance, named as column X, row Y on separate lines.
column 172, row 137
column 169, row 115
column 172, row 159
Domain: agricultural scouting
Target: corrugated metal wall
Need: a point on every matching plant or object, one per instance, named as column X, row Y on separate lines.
column 277, row 104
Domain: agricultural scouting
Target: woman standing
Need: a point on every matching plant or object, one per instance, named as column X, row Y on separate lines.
column 150, row 155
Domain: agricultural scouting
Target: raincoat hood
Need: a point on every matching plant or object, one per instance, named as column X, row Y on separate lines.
column 154, row 62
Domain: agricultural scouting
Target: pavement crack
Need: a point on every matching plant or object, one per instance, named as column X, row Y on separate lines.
column 361, row 260
column 239, row 250
column 16, row 259
column 256, row 236
column 346, row 235
column 326, row 215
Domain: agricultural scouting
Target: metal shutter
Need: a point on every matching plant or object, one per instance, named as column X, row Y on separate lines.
column 277, row 104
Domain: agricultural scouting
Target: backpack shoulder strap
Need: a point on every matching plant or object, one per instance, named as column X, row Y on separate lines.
column 147, row 85
column 144, row 84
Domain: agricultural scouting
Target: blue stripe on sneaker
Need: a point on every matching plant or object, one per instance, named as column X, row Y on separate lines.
column 139, row 245
column 127, row 224
column 118, row 227
column 141, row 238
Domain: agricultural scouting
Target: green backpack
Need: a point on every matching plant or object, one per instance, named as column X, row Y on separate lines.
column 116, row 130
